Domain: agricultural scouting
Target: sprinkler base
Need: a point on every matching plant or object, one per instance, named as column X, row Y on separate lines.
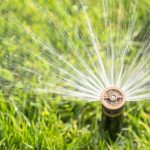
column 111, row 126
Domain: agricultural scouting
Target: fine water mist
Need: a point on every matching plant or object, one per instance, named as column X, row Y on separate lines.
column 108, row 54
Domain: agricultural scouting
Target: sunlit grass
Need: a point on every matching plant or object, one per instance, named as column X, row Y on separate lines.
column 29, row 120
column 70, row 125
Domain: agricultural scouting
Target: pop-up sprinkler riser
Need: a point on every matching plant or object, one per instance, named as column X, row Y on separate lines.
column 113, row 100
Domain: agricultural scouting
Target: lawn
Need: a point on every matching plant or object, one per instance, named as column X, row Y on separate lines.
column 42, row 120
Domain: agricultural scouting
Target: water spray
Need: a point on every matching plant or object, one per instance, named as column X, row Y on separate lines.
column 113, row 100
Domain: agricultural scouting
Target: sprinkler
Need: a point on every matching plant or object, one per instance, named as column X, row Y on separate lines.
column 113, row 100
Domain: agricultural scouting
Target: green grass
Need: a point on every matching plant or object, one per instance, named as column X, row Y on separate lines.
column 31, row 120
column 70, row 125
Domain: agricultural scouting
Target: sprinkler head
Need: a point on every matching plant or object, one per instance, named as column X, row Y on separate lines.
column 113, row 100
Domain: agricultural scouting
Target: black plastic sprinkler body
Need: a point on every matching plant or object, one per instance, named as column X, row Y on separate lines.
column 113, row 100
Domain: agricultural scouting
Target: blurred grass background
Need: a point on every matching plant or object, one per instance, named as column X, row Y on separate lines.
column 30, row 120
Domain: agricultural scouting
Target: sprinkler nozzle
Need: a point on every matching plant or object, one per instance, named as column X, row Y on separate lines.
column 113, row 100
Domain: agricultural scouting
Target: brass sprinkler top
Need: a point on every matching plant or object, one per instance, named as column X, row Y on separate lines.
column 113, row 98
